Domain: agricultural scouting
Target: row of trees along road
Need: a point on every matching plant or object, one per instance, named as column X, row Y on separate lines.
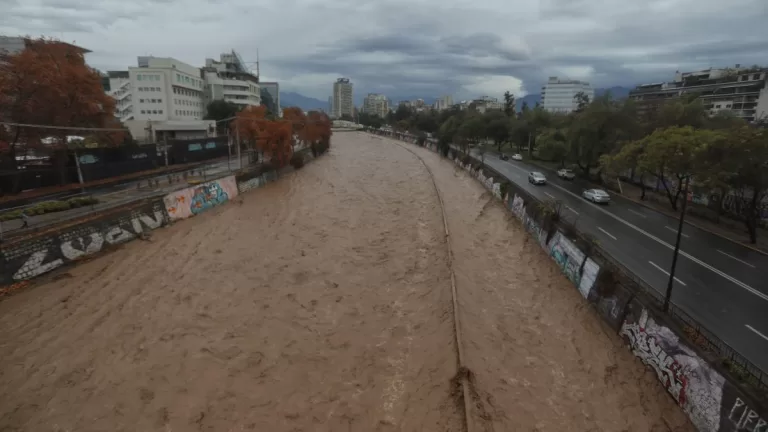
column 605, row 138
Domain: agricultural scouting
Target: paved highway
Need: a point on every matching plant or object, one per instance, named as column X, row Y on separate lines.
column 719, row 283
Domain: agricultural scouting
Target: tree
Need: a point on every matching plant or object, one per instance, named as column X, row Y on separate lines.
column 672, row 155
column 552, row 146
column 49, row 83
column 498, row 131
column 220, row 110
column 738, row 163
column 581, row 99
column 509, row 103
column 599, row 129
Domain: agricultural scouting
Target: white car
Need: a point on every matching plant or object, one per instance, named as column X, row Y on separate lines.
column 517, row 157
column 536, row 178
column 596, row 195
column 566, row 174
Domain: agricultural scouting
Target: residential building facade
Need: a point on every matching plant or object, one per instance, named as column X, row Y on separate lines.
column 376, row 104
column 741, row 91
column 559, row 95
column 342, row 98
column 228, row 79
column 486, row 103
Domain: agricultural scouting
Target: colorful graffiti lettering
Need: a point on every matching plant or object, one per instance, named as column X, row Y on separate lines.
column 206, row 196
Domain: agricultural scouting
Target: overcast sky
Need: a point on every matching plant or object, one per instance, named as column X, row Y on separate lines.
column 466, row 48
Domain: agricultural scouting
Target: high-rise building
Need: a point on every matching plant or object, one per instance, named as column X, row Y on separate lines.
column 376, row 104
column 228, row 79
column 443, row 103
column 742, row 91
column 559, row 95
column 273, row 88
column 342, row 98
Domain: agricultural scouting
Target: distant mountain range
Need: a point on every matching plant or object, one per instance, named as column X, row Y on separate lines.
column 288, row 99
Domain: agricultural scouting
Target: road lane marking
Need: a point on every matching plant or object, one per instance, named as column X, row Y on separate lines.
column 666, row 273
column 549, row 195
column 607, row 233
column 639, row 214
column 758, row 333
column 569, row 208
column 675, row 231
column 733, row 257
column 669, row 246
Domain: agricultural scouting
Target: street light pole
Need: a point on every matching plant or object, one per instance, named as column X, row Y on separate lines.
column 677, row 245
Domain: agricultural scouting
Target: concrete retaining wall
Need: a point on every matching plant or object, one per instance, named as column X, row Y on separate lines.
column 28, row 258
column 713, row 400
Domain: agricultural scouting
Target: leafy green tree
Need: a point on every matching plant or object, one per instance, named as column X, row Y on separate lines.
column 738, row 163
column 672, row 155
column 220, row 110
column 599, row 129
column 509, row 103
column 582, row 100
column 552, row 145
column 498, row 131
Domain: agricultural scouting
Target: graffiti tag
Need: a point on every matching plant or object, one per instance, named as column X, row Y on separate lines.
column 746, row 419
column 667, row 369
column 74, row 248
column 207, row 196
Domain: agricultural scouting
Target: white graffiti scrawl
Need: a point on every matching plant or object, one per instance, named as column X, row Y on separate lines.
column 696, row 387
column 77, row 244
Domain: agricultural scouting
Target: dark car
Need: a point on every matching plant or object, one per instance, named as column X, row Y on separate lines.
column 504, row 157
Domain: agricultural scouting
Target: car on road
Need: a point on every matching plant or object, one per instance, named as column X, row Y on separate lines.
column 517, row 157
column 536, row 178
column 566, row 174
column 504, row 157
column 596, row 195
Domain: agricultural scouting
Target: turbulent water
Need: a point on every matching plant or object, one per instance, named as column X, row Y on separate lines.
column 322, row 302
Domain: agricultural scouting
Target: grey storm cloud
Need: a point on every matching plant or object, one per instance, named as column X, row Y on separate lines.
column 427, row 48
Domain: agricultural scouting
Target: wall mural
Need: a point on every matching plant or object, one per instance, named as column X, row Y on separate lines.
column 194, row 200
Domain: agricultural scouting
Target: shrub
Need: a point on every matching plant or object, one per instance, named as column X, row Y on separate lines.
column 50, row 207
column 466, row 160
column 297, row 161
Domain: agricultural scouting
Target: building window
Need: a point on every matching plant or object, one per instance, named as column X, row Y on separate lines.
column 138, row 77
column 159, row 101
column 141, row 100
column 142, row 111
column 160, row 111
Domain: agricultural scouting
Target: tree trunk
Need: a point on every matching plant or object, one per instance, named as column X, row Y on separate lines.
column 752, row 216
column 672, row 198
column 642, row 187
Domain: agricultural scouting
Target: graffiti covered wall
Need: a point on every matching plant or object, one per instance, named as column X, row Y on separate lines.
column 197, row 199
column 35, row 257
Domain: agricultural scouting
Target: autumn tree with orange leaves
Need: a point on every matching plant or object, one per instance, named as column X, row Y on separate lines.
column 49, row 83
column 275, row 138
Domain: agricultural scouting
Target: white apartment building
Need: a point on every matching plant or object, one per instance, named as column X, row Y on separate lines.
column 443, row 103
column 743, row 91
column 376, row 104
column 230, row 80
column 486, row 103
column 558, row 95
column 161, row 98
column 342, row 98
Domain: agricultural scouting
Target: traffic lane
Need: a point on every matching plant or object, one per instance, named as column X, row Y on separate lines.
column 717, row 305
column 661, row 224
column 730, row 269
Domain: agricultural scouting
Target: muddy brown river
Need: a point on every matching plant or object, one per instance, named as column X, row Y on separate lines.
column 322, row 302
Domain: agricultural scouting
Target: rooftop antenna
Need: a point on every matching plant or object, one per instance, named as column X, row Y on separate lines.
column 257, row 62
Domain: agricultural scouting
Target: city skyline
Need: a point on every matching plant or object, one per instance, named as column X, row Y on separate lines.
column 511, row 46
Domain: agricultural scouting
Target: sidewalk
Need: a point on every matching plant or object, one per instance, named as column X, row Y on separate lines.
column 729, row 229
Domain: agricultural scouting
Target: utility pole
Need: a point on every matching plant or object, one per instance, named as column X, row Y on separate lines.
column 677, row 246
column 237, row 139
